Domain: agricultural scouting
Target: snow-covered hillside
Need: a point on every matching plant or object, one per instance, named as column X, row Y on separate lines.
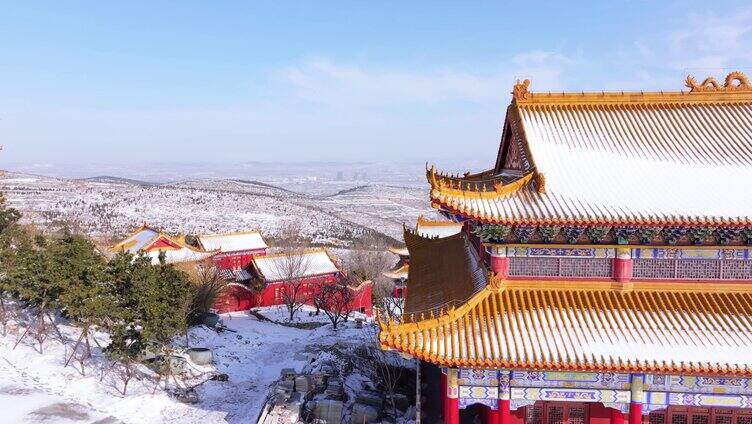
column 107, row 207
column 37, row 387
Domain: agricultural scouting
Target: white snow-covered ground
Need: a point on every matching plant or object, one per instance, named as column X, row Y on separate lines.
column 37, row 387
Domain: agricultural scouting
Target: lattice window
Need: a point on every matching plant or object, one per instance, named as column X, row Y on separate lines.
column 737, row 270
column 560, row 267
column 700, row 419
column 534, row 415
column 581, row 267
column 577, row 415
column 723, row 418
column 698, row 269
column 678, row 418
column 534, row 267
column 744, row 419
column 556, row 415
column 657, row 418
column 693, row 269
column 654, row 268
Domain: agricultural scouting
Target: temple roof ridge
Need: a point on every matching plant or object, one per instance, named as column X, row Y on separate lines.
column 735, row 88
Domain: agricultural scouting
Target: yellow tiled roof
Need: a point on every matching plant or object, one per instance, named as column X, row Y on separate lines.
column 398, row 272
column 703, row 328
column 618, row 158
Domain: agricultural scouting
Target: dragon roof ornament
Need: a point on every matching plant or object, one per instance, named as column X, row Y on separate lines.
column 520, row 91
column 735, row 81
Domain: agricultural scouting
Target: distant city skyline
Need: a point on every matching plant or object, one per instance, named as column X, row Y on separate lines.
column 227, row 82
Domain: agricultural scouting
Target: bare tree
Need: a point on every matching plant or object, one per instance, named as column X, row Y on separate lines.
column 207, row 286
column 123, row 372
column 336, row 300
column 291, row 266
column 369, row 259
column 387, row 367
column 385, row 300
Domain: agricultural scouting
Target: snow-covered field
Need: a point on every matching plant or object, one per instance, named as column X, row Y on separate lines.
column 109, row 207
column 37, row 387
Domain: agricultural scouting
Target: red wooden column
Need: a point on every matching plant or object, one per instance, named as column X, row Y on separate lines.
column 499, row 263
column 635, row 405
column 451, row 398
column 623, row 265
column 505, row 416
column 492, row 416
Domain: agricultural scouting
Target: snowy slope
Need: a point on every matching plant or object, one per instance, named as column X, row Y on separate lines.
column 37, row 387
column 107, row 207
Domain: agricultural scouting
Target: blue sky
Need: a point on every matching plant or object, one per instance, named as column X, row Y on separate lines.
column 121, row 82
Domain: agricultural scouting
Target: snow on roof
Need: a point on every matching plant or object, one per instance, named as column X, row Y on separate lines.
column 282, row 266
column 397, row 273
column 400, row 251
column 233, row 242
column 695, row 328
column 176, row 251
column 137, row 241
column 431, row 229
column 650, row 158
column 184, row 254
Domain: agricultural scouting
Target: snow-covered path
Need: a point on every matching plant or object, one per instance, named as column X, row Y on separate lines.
column 36, row 387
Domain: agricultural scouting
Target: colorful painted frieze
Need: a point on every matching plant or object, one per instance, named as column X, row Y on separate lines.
column 479, row 392
column 658, row 400
column 698, row 384
column 690, row 253
column 565, row 252
column 478, row 377
column 570, row 379
column 570, row 395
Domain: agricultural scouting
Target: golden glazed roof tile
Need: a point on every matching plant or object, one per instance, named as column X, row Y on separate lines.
column 702, row 328
column 631, row 158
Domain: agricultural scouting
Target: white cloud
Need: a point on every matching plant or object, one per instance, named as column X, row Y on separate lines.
column 703, row 44
column 325, row 81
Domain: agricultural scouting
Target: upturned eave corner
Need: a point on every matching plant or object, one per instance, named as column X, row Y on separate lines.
column 495, row 187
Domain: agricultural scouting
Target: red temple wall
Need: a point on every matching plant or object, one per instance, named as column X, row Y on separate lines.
column 237, row 298
column 599, row 414
column 517, row 417
column 236, row 260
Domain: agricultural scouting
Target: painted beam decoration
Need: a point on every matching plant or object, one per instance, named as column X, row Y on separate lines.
column 565, row 252
column 570, row 395
column 701, row 384
column 660, row 400
column 483, row 395
column 570, row 379
column 637, row 253
column 689, row 253
column 523, row 388
column 478, row 377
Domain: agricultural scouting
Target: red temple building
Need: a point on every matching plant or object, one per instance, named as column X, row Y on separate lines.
column 235, row 250
column 603, row 273
column 152, row 242
column 269, row 275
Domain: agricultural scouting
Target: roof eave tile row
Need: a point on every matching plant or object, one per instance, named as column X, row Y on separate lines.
column 594, row 327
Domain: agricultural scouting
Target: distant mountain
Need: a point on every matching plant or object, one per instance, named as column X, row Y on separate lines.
column 117, row 180
column 265, row 185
